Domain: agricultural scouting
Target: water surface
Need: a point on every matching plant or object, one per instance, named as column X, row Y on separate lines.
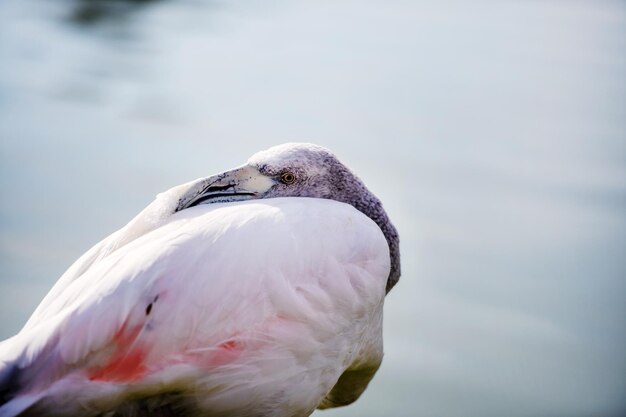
column 494, row 133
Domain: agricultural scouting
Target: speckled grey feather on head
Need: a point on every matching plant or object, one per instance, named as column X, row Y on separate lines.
column 320, row 174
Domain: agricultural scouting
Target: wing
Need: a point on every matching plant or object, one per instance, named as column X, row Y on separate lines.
column 226, row 295
column 152, row 217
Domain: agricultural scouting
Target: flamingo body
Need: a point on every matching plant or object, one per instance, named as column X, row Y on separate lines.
column 224, row 309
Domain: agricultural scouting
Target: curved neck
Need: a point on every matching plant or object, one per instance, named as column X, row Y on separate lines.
column 367, row 203
column 379, row 216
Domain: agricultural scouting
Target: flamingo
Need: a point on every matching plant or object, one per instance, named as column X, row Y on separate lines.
column 254, row 292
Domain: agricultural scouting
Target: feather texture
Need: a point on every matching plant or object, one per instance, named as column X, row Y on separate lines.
column 218, row 309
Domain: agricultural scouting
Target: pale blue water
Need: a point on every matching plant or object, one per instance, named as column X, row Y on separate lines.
column 494, row 132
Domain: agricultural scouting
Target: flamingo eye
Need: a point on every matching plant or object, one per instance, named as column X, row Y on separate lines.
column 287, row 178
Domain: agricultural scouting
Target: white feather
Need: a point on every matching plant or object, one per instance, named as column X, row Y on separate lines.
column 232, row 304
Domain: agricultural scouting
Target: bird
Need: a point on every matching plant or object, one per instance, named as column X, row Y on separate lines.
column 255, row 292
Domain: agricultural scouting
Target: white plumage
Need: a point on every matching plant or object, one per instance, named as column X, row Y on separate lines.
column 245, row 308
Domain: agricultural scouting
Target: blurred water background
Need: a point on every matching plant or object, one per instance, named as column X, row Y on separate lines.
column 493, row 131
